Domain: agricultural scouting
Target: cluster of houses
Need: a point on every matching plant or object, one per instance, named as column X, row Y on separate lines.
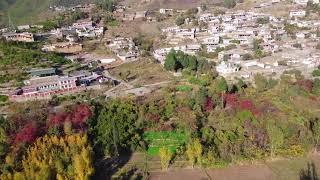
column 231, row 36
column 81, row 29
column 124, row 48
column 47, row 82
column 80, row 7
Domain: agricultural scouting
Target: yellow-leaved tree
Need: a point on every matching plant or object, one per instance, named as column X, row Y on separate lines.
column 52, row 157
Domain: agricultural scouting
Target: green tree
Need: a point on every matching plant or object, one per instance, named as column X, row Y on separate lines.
column 316, row 72
column 165, row 157
column 108, row 5
column 201, row 96
column 276, row 138
column 316, row 86
column 171, row 63
column 170, row 106
column 3, row 137
column 116, row 127
column 218, row 86
column 261, row 82
column 257, row 48
column 192, row 63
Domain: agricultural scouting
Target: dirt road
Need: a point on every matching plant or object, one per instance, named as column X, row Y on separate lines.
column 274, row 170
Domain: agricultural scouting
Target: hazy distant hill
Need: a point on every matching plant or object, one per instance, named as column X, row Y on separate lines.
column 26, row 11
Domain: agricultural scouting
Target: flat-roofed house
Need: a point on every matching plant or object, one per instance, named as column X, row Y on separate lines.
column 50, row 83
column 43, row 72
column 166, row 11
column 63, row 47
column 140, row 14
column 297, row 13
column 23, row 37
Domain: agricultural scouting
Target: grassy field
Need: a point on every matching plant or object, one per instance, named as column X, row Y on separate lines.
column 170, row 140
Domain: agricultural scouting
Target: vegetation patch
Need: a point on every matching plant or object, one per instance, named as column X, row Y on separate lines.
column 184, row 88
column 170, row 140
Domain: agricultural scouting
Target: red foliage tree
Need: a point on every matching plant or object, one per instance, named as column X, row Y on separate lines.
column 78, row 117
column 231, row 100
column 209, row 104
column 249, row 106
column 246, row 105
column 28, row 134
column 305, row 84
column 57, row 119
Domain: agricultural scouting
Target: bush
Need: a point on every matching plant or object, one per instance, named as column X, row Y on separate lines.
column 4, row 98
column 108, row 5
column 180, row 20
column 263, row 20
column 229, row 3
column 247, row 56
column 316, row 73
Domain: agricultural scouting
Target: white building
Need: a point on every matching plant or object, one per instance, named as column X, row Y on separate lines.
column 297, row 13
column 165, row 11
column 305, row 2
column 226, row 68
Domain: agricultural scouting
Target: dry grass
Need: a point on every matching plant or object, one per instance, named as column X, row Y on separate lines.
column 144, row 70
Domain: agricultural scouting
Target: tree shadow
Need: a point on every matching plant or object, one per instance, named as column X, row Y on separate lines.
column 107, row 167
column 310, row 173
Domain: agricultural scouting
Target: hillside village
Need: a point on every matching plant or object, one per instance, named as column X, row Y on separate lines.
column 241, row 43
column 161, row 89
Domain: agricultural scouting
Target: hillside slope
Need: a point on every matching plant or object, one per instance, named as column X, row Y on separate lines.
column 28, row 11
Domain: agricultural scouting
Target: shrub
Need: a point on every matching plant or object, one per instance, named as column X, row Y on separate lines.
column 4, row 98
column 229, row 3
column 180, row 20
column 316, row 73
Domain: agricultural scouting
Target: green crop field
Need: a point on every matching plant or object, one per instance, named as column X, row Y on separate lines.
column 184, row 88
column 170, row 140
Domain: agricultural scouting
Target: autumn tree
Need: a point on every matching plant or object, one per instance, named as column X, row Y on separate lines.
column 165, row 157
column 194, row 152
column 263, row 84
column 51, row 157
column 76, row 118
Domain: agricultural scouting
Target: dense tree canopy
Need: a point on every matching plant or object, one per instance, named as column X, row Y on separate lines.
column 116, row 128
